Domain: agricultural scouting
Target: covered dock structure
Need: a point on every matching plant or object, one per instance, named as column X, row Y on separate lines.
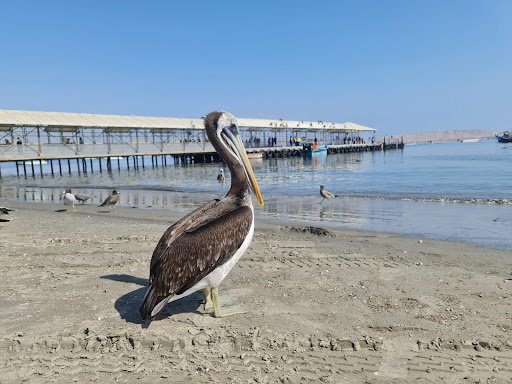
column 32, row 136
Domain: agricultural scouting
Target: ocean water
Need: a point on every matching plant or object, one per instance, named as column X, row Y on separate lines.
column 452, row 191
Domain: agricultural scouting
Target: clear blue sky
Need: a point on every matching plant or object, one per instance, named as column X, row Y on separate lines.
column 398, row 66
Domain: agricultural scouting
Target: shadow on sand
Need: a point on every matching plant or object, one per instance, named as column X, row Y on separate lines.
column 128, row 304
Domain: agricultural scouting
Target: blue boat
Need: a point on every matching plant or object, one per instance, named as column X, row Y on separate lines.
column 312, row 149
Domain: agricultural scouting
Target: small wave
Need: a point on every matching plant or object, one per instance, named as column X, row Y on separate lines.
column 464, row 200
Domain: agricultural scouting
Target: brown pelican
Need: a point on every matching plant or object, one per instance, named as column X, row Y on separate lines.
column 326, row 194
column 5, row 211
column 69, row 199
column 221, row 177
column 198, row 251
column 111, row 201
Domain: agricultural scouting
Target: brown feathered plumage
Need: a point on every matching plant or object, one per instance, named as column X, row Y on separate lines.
column 326, row 194
column 198, row 251
column 111, row 201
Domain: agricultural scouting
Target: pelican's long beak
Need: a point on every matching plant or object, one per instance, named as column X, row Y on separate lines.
column 239, row 146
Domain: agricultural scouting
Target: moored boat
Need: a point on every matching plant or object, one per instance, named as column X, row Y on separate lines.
column 313, row 149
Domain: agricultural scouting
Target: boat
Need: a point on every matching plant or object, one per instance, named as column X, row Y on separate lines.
column 505, row 137
column 254, row 155
column 313, row 149
column 470, row 140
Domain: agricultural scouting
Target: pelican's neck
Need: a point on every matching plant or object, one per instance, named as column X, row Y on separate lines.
column 239, row 183
column 240, row 187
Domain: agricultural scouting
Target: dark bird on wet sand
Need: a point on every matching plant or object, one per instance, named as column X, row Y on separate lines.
column 326, row 194
column 111, row 201
column 198, row 251
column 5, row 211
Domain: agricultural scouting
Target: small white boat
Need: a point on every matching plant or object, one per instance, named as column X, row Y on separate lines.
column 470, row 140
column 254, row 155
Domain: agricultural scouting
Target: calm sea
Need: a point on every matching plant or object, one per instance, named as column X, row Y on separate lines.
column 452, row 191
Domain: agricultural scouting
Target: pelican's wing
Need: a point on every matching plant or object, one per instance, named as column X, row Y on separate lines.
column 328, row 194
column 182, row 261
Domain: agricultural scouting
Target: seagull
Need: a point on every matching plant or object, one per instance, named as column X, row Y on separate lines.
column 82, row 197
column 197, row 252
column 111, row 201
column 325, row 194
column 5, row 211
column 69, row 199
column 221, row 177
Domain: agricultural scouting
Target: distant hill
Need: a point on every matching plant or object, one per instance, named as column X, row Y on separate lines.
column 440, row 136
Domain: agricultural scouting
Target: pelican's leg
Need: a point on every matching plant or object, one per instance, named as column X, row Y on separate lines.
column 208, row 303
column 226, row 311
column 74, row 209
column 321, row 201
column 224, row 300
column 114, row 208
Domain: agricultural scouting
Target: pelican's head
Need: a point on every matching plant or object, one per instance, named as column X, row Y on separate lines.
column 226, row 132
column 68, row 190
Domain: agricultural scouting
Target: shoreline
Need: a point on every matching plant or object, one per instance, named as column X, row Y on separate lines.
column 482, row 224
column 323, row 304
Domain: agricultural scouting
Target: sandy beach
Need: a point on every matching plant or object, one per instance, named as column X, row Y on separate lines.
column 323, row 306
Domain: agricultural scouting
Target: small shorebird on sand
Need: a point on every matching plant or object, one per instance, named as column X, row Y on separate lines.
column 82, row 197
column 69, row 199
column 5, row 211
column 326, row 194
column 111, row 201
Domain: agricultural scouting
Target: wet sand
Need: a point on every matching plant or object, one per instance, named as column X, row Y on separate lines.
column 324, row 305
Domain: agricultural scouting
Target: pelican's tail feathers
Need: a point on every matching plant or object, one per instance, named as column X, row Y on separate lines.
column 152, row 304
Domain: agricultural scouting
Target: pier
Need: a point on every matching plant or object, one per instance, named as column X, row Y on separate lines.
column 33, row 139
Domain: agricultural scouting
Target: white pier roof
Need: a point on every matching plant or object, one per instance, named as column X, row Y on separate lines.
column 63, row 121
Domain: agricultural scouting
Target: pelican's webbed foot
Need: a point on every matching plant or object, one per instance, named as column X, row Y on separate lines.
column 221, row 306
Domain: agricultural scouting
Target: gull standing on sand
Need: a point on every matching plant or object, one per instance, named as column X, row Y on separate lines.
column 221, row 177
column 69, row 199
column 5, row 211
column 197, row 252
column 111, row 201
column 82, row 197
column 325, row 194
